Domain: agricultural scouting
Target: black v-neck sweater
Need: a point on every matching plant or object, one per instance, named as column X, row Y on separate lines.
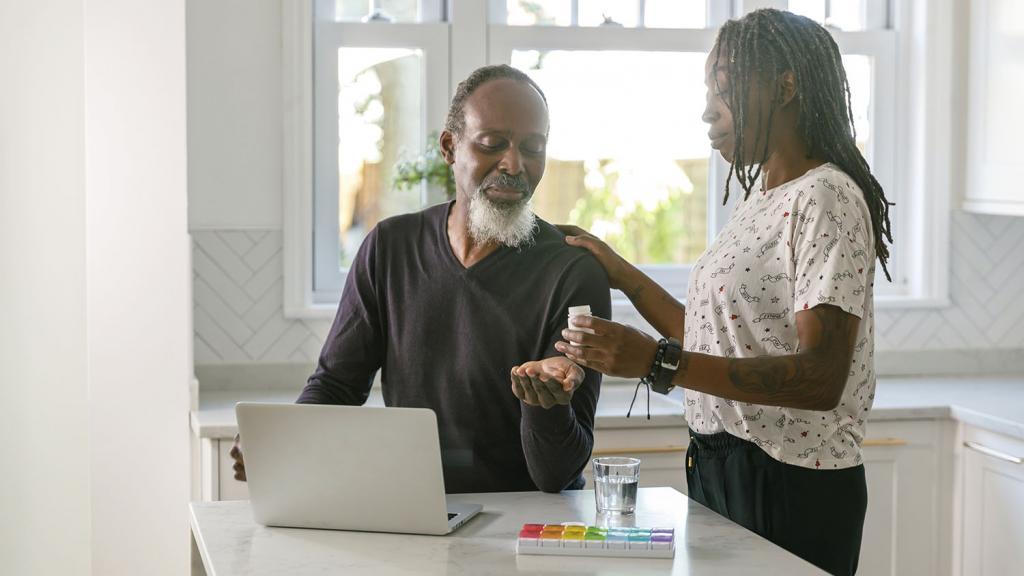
column 446, row 338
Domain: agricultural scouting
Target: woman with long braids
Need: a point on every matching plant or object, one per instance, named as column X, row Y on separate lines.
column 776, row 352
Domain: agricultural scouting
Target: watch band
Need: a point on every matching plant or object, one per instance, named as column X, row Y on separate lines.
column 666, row 364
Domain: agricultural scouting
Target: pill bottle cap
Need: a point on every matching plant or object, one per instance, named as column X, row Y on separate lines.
column 579, row 311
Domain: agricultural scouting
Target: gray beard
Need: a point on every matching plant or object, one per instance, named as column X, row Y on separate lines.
column 509, row 224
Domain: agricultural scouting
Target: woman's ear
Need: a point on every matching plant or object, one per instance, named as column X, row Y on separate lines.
column 447, row 142
column 787, row 88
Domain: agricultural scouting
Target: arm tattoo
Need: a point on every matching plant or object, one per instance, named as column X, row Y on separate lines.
column 635, row 292
column 812, row 379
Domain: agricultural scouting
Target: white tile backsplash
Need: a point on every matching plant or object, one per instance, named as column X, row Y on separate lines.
column 239, row 318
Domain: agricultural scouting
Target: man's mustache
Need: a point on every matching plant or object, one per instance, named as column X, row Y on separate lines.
column 515, row 182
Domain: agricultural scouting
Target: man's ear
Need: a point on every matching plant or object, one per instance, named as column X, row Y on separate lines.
column 787, row 87
column 447, row 142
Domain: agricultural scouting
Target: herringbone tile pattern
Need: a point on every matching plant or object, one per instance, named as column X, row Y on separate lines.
column 237, row 283
column 238, row 298
column 986, row 287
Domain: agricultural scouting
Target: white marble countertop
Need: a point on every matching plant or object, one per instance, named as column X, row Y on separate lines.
column 995, row 403
column 231, row 543
column 216, row 415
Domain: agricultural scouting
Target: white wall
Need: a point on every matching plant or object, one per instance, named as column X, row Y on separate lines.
column 138, row 300
column 44, row 448
column 234, row 114
column 238, row 312
column 95, row 356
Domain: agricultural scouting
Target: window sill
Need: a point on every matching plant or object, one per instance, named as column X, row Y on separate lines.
column 311, row 312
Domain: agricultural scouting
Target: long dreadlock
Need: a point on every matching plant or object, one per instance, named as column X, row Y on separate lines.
column 761, row 46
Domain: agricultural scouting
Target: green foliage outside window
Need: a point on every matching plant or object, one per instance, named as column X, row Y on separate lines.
column 664, row 227
column 429, row 166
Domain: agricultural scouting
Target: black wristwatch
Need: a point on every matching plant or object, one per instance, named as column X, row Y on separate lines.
column 670, row 351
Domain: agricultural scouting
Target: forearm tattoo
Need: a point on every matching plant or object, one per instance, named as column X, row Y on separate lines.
column 636, row 291
column 812, row 379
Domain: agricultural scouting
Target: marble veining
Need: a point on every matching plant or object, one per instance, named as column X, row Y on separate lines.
column 232, row 544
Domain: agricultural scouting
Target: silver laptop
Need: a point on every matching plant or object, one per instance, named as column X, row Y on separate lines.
column 346, row 468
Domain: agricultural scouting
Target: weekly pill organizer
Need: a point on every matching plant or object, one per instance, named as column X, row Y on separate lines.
column 576, row 539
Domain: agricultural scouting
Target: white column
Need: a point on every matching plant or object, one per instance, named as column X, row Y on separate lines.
column 44, row 445
column 138, row 277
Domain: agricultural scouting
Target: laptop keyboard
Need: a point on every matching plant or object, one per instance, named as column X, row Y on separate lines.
column 450, row 515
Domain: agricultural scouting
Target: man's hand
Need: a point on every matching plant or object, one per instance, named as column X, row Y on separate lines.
column 236, row 453
column 546, row 382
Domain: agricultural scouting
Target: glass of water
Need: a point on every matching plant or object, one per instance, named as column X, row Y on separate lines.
column 615, row 482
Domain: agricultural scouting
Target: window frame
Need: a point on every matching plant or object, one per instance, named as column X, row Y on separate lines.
column 329, row 36
column 905, row 56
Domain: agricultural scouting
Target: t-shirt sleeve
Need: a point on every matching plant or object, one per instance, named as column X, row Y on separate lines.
column 354, row 349
column 832, row 248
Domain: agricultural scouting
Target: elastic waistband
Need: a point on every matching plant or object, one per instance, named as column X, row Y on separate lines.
column 718, row 442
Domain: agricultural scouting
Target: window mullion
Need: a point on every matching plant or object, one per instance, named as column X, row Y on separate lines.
column 718, row 12
column 431, row 11
column 877, row 15
column 746, row 6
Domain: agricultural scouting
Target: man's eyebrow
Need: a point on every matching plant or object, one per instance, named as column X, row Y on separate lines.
column 507, row 133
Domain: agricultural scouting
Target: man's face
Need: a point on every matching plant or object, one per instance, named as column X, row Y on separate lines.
column 499, row 159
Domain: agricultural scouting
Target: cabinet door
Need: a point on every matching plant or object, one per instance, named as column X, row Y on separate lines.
column 995, row 117
column 900, row 527
column 663, row 467
column 661, row 450
column 993, row 504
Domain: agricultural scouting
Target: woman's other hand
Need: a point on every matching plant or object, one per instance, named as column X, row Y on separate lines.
column 615, row 266
column 614, row 349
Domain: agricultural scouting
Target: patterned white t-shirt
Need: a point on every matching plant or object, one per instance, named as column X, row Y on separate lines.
column 783, row 250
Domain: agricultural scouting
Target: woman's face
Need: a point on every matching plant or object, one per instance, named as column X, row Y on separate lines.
column 719, row 117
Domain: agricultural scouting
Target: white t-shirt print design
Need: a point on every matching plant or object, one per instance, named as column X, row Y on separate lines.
column 787, row 249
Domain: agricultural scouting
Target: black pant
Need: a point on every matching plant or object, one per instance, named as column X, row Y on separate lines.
column 816, row 514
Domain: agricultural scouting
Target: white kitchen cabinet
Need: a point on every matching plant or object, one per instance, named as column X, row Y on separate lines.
column 993, row 504
column 995, row 117
column 661, row 450
column 659, row 441
column 218, row 478
column 903, row 462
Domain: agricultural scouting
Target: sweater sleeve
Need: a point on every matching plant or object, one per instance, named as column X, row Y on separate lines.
column 354, row 349
column 557, row 442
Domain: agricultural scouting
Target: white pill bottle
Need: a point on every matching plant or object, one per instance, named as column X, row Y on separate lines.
column 575, row 311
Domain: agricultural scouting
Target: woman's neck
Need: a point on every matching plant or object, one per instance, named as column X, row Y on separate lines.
column 789, row 161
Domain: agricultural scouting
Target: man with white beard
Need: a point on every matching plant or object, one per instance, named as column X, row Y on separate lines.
column 461, row 304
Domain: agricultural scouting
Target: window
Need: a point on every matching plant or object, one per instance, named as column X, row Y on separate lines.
column 379, row 72
column 627, row 158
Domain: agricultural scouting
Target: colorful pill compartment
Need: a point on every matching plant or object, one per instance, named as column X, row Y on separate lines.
column 576, row 539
